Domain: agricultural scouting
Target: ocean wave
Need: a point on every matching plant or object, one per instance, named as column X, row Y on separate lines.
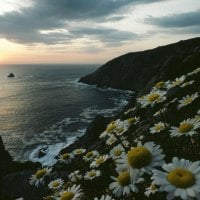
column 91, row 112
column 128, row 92
column 46, row 153
column 76, row 82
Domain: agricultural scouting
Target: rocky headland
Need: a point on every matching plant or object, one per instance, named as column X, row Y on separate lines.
column 135, row 71
column 161, row 78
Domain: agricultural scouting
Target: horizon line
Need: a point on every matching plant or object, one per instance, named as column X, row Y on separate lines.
column 7, row 64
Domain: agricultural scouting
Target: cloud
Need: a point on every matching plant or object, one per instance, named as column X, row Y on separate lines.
column 176, row 20
column 26, row 26
column 106, row 35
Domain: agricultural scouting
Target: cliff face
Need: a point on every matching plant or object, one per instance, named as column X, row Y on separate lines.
column 134, row 70
column 14, row 177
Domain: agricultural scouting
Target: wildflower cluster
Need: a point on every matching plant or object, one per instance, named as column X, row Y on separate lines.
column 150, row 152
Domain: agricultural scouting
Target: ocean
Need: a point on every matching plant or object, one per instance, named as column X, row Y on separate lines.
column 45, row 107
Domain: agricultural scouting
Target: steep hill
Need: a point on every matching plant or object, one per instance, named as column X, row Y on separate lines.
column 134, row 70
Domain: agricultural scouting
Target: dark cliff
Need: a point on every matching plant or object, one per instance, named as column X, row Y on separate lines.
column 134, row 70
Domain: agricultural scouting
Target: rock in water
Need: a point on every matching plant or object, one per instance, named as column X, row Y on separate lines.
column 11, row 75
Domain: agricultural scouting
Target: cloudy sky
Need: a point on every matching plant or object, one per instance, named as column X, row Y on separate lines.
column 91, row 31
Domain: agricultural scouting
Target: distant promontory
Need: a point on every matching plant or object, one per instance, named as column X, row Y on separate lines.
column 133, row 71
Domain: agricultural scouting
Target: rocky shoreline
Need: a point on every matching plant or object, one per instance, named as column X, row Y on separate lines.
column 142, row 70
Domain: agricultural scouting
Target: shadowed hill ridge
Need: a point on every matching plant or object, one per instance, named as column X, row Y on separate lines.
column 134, row 70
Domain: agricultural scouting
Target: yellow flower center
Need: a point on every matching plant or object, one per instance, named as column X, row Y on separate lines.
column 65, row 156
column 160, row 84
column 78, row 151
column 67, row 196
column 131, row 120
column 111, row 140
column 56, row 184
column 181, row 178
column 117, row 152
column 139, row 157
column 92, row 174
column 40, row 173
column 153, row 187
column 110, row 127
column 99, row 161
column 159, row 127
column 187, row 101
column 185, row 127
column 124, row 178
column 120, row 130
column 89, row 154
column 153, row 97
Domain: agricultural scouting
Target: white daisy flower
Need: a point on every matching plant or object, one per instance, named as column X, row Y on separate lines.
column 197, row 70
column 71, row 193
column 111, row 140
column 121, row 127
column 66, row 158
column 154, row 97
column 144, row 157
column 125, row 142
column 129, row 111
column 152, row 189
column 75, row 176
column 138, row 139
column 158, row 127
column 187, row 83
column 197, row 117
column 98, row 161
column 187, row 100
column 180, row 179
column 90, row 155
column 48, row 198
column 38, row 177
column 79, row 151
column 110, row 128
column 133, row 120
column 125, row 183
column 56, row 184
column 104, row 197
column 176, row 82
column 92, row 174
column 159, row 85
column 117, row 151
column 187, row 127
column 159, row 112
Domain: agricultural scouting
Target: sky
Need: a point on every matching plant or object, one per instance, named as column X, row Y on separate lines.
column 91, row 31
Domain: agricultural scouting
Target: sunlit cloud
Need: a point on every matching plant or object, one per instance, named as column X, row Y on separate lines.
column 92, row 28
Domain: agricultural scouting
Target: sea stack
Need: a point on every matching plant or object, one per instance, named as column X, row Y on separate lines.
column 11, row 75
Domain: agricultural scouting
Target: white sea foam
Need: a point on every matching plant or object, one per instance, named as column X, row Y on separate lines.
column 46, row 154
column 76, row 82
column 89, row 113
